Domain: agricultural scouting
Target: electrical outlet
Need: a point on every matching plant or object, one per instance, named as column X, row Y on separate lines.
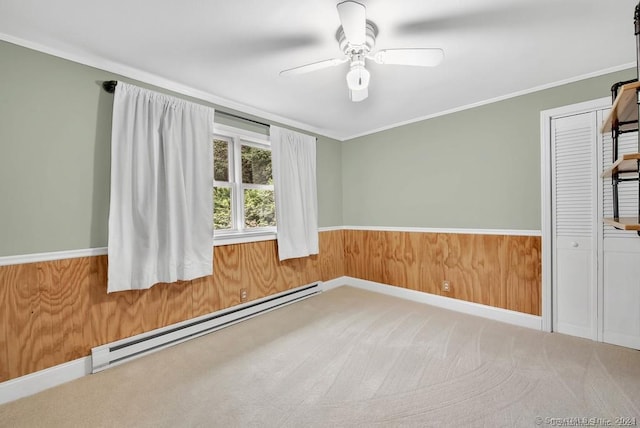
column 446, row 286
column 243, row 294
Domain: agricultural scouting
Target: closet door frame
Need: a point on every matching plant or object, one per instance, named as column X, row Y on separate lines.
column 546, row 117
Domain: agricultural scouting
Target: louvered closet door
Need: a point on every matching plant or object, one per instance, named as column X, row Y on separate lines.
column 574, row 192
column 620, row 256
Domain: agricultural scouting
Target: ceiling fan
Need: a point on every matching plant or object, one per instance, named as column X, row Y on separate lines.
column 356, row 38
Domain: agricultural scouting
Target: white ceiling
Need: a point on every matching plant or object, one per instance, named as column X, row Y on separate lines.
column 231, row 52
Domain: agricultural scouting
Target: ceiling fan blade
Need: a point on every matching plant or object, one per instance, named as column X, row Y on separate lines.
column 423, row 57
column 353, row 17
column 307, row 68
column 358, row 95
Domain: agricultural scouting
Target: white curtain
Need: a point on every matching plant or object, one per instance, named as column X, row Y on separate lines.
column 161, row 212
column 294, row 177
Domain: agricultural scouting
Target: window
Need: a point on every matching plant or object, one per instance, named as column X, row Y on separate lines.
column 243, row 183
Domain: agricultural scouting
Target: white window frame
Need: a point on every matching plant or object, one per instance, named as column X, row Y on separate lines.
column 237, row 138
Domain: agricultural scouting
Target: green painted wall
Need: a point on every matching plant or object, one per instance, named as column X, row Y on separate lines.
column 54, row 153
column 478, row 168
column 55, row 130
column 329, row 176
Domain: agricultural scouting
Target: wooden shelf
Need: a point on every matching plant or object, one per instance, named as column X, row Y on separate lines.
column 625, row 163
column 625, row 223
column 624, row 109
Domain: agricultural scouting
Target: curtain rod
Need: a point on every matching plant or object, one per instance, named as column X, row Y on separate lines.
column 110, row 87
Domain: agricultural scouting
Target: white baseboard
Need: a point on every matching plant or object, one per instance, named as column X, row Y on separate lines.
column 44, row 379
column 334, row 283
column 621, row 339
column 498, row 314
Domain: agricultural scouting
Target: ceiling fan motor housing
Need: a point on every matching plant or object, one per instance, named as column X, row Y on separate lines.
column 349, row 50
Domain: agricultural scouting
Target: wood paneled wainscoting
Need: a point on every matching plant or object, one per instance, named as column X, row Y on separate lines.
column 503, row 271
column 56, row 311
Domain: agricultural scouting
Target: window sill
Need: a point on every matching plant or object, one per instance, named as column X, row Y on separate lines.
column 243, row 238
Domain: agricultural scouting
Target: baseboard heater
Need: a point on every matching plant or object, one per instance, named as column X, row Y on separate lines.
column 121, row 351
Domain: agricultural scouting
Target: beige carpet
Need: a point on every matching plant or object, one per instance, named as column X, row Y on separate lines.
column 352, row 358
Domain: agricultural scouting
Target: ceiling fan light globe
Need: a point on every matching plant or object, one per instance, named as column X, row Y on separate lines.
column 358, row 96
column 358, row 78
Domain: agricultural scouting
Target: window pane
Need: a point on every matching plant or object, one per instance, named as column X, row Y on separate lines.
column 256, row 165
column 221, row 208
column 220, row 160
column 259, row 208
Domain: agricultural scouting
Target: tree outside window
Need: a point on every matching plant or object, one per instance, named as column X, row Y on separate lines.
column 243, row 185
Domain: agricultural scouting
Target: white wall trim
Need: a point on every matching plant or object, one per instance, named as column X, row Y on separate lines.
column 545, row 190
column 33, row 383
column 511, row 232
column 330, row 228
column 243, row 238
column 50, row 256
column 545, row 186
column 497, row 99
column 161, row 82
column 269, row 236
column 573, row 109
column 497, row 314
